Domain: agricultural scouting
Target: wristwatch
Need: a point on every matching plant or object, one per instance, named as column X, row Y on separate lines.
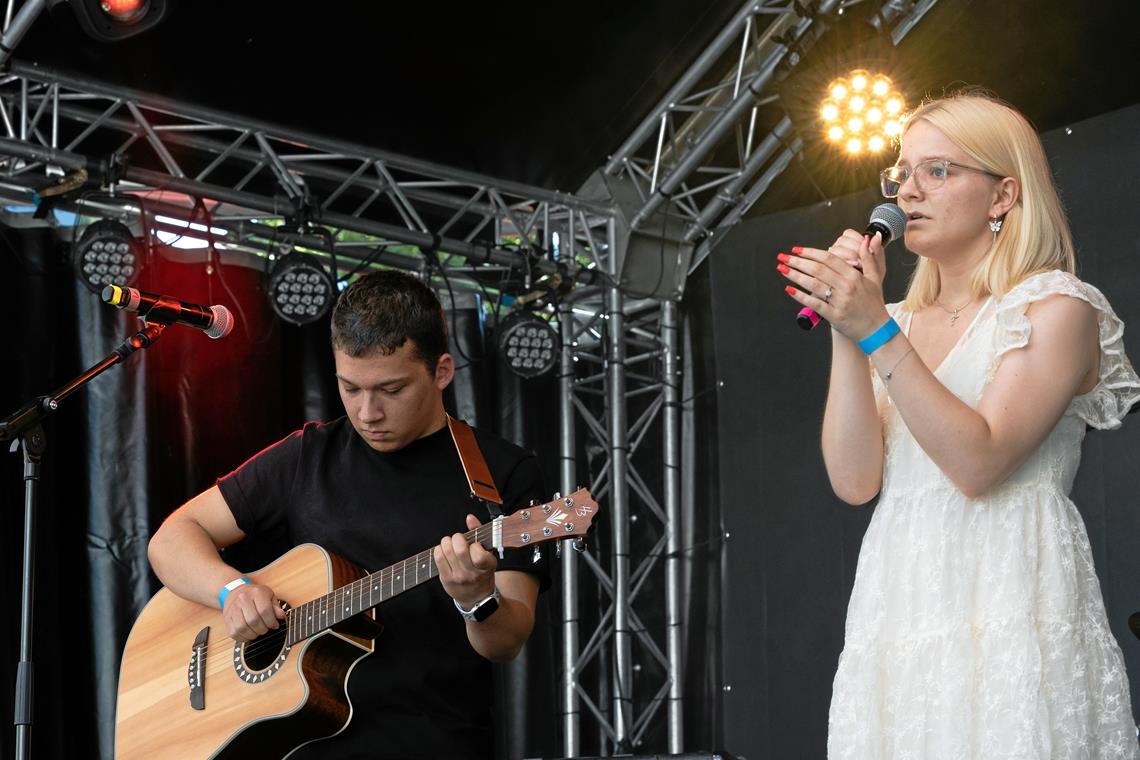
column 482, row 609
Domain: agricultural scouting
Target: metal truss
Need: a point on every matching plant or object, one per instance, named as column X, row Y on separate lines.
column 696, row 157
column 713, row 145
column 620, row 380
column 698, row 153
column 253, row 176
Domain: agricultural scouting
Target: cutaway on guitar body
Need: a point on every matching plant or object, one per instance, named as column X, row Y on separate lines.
column 186, row 690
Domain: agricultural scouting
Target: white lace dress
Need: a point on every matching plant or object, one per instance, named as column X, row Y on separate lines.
column 976, row 627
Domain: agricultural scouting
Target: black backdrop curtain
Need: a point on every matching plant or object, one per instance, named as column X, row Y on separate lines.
column 790, row 558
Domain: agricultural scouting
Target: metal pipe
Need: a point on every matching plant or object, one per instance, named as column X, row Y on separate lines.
column 618, row 434
column 671, row 423
column 728, row 194
column 15, row 31
column 568, row 476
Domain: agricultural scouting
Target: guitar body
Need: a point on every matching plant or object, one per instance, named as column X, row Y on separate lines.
column 250, row 708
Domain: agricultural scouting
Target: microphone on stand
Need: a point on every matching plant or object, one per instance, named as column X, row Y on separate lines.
column 215, row 321
column 888, row 220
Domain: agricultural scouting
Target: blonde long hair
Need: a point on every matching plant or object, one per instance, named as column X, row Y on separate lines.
column 1035, row 234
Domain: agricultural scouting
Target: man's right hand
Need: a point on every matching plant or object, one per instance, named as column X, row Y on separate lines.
column 251, row 610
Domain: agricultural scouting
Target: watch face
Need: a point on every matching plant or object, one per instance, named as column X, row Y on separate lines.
column 486, row 609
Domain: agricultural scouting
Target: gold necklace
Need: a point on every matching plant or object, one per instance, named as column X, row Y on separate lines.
column 954, row 313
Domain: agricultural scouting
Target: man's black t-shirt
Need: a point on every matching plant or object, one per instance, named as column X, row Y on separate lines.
column 424, row 692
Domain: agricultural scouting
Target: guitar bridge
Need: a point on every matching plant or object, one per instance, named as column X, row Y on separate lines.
column 196, row 673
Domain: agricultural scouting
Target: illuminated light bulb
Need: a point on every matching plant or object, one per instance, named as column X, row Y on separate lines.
column 894, row 105
column 857, row 103
column 835, row 134
column 859, row 80
column 829, row 112
column 854, row 145
column 838, row 89
column 855, row 124
column 876, row 143
column 874, row 115
column 881, row 86
column 892, row 128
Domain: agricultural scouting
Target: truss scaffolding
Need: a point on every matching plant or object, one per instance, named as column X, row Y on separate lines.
column 693, row 167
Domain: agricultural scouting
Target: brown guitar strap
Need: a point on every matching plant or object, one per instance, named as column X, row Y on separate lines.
column 474, row 466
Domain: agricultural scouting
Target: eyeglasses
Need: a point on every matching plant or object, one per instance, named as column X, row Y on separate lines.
column 928, row 175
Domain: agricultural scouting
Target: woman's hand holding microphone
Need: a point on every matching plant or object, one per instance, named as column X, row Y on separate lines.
column 843, row 284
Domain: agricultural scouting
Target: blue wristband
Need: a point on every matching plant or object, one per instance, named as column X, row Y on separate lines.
column 226, row 589
column 876, row 339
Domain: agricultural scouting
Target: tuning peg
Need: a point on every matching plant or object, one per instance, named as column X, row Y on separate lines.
column 537, row 555
column 557, row 496
column 558, row 550
column 579, row 544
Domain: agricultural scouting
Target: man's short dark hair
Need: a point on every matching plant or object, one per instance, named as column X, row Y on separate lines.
column 385, row 308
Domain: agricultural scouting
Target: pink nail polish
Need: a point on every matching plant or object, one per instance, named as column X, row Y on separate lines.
column 783, row 257
column 809, row 315
column 782, row 269
column 797, row 249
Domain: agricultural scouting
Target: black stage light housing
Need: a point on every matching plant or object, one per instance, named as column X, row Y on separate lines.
column 114, row 20
column 528, row 345
column 107, row 253
column 300, row 289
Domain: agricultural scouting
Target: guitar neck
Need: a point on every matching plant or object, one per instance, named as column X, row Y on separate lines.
column 322, row 613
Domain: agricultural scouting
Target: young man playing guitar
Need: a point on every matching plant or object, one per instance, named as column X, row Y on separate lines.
column 373, row 487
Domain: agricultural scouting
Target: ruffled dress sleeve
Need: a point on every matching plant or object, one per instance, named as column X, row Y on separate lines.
column 1118, row 388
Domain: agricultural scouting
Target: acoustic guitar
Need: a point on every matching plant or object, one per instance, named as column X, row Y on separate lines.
column 187, row 690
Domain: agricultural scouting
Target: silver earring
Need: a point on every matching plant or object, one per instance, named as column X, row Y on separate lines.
column 995, row 226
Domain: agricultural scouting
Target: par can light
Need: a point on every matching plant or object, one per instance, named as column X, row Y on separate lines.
column 107, row 253
column 528, row 345
column 300, row 290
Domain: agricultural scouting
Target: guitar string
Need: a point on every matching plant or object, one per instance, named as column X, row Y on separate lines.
column 272, row 641
column 386, row 576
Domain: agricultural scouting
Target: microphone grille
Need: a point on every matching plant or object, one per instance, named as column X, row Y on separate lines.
column 222, row 324
column 891, row 217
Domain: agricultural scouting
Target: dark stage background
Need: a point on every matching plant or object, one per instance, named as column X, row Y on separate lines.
column 792, row 547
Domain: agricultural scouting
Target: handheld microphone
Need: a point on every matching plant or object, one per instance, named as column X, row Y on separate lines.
column 889, row 221
column 215, row 321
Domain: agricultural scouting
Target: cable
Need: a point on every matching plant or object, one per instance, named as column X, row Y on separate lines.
column 429, row 260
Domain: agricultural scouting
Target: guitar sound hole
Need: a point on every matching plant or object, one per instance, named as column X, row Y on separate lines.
column 261, row 653
column 256, row 660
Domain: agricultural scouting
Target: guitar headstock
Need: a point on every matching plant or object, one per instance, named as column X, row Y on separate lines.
column 565, row 517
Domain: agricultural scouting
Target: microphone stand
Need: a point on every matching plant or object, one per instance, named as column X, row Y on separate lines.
column 24, row 428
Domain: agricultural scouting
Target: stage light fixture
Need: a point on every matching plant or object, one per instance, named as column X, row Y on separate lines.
column 528, row 345
column 107, row 253
column 114, row 20
column 125, row 11
column 862, row 113
column 300, row 290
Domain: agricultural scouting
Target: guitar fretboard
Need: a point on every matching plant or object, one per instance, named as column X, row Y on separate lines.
column 322, row 613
